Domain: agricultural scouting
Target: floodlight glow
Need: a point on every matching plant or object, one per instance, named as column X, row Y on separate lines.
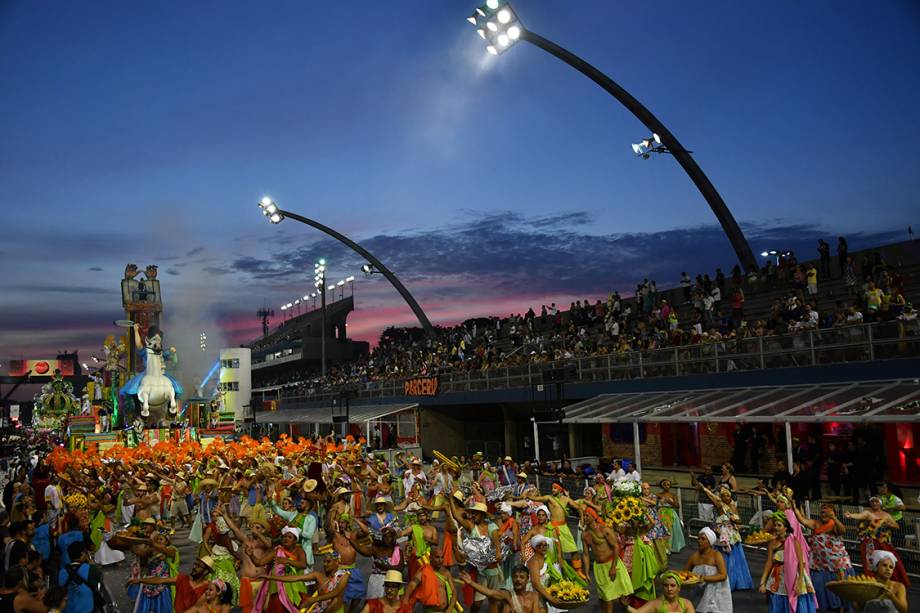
column 305, row 297
column 637, row 149
column 764, row 254
column 266, row 201
column 340, row 283
column 503, row 40
column 492, row 4
column 482, row 32
column 472, row 19
column 504, row 16
column 349, row 279
column 297, row 301
column 481, row 12
column 492, row 50
column 492, row 27
column 514, row 32
column 275, row 218
column 656, row 138
column 331, row 287
column 322, row 262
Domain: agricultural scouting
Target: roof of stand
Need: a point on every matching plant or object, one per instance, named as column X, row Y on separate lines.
column 862, row 401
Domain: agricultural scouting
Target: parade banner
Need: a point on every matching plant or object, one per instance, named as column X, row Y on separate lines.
column 41, row 368
column 423, row 386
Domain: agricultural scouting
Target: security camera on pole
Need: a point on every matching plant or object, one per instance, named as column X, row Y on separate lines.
column 319, row 281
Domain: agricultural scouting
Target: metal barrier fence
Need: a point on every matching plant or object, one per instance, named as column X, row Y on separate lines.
column 863, row 343
column 755, row 510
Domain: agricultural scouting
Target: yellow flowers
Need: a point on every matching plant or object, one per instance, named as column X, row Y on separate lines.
column 75, row 501
column 567, row 591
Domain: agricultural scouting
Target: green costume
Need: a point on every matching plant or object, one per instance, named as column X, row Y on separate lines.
column 610, row 590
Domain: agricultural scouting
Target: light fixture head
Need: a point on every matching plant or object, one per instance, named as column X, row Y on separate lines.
column 637, row 149
column 322, row 262
column 764, row 254
column 499, row 26
column 340, row 283
column 366, row 268
column 305, row 297
column 472, row 19
column 349, row 279
column 656, row 138
column 265, row 201
column 275, row 218
column 284, row 307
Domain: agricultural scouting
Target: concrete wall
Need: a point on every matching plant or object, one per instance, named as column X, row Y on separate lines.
column 442, row 432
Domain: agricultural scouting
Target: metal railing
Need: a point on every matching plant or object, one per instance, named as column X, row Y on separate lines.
column 861, row 343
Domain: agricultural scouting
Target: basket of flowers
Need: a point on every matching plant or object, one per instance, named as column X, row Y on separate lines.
column 758, row 538
column 630, row 511
column 626, row 489
column 568, row 595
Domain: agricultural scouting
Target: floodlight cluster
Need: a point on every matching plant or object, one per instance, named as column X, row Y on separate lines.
column 498, row 24
column 270, row 210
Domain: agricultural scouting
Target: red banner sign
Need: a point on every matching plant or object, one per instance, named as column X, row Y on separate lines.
column 427, row 386
column 40, row 368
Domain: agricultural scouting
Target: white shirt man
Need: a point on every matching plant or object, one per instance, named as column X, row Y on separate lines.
column 633, row 474
column 616, row 474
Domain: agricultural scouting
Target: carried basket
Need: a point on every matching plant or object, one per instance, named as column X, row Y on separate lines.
column 857, row 591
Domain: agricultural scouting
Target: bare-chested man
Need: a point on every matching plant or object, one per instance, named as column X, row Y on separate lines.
column 611, row 577
column 433, row 586
column 519, row 600
column 331, row 583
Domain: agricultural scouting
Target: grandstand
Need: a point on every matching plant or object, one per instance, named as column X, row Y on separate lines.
column 506, row 386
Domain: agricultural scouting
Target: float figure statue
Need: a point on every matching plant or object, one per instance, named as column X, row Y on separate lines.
column 153, row 387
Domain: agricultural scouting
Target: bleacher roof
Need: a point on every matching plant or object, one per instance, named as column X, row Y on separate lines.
column 357, row 414
column 863, row 401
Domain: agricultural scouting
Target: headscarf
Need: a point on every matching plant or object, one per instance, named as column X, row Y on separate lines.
column 293, row 531
column 505, row 508
column 672, row 575
column 876, row 557
column 709, row 534
column 537, row 539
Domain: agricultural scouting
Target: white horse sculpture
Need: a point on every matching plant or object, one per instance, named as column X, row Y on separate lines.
column 153, row 387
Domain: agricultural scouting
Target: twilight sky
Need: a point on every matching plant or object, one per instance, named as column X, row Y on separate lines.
column 147, row 131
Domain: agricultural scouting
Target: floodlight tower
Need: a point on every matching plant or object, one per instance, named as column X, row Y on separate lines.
column 498, row 24
column 265, row 314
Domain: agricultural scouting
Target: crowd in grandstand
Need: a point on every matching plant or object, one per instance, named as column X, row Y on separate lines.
column 326, row 525
column 705, row 311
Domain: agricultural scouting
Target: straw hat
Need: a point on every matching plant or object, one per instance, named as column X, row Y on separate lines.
column 207, row 561
column 309, row 485
column 479, row 506
column 208, row 481
column 522, row 475
column 149, row 521
column 341, row 492
column 393, row 576
column 384, row 501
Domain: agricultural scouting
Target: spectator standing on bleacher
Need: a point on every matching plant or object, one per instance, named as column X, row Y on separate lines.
column 891, row 504
column 824, row 253
column 842, row 252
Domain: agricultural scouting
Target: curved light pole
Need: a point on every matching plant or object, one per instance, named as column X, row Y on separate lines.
column 276, row 215
column 498, row 24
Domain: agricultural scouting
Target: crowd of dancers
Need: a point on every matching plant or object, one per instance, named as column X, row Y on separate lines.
column 324, row 525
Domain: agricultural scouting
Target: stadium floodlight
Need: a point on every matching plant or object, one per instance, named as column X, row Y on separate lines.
column 284, row 307
column 297, row 301
column 764, row 254
column 349, row 279
column 340, row 283
column 647, row 146
column 498, row 24
column 306, row 297
column 271, row 210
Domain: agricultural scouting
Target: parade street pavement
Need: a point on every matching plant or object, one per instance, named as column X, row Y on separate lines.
column 116, row 576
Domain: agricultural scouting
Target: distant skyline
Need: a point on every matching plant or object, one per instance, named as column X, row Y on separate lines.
column 147, row 132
